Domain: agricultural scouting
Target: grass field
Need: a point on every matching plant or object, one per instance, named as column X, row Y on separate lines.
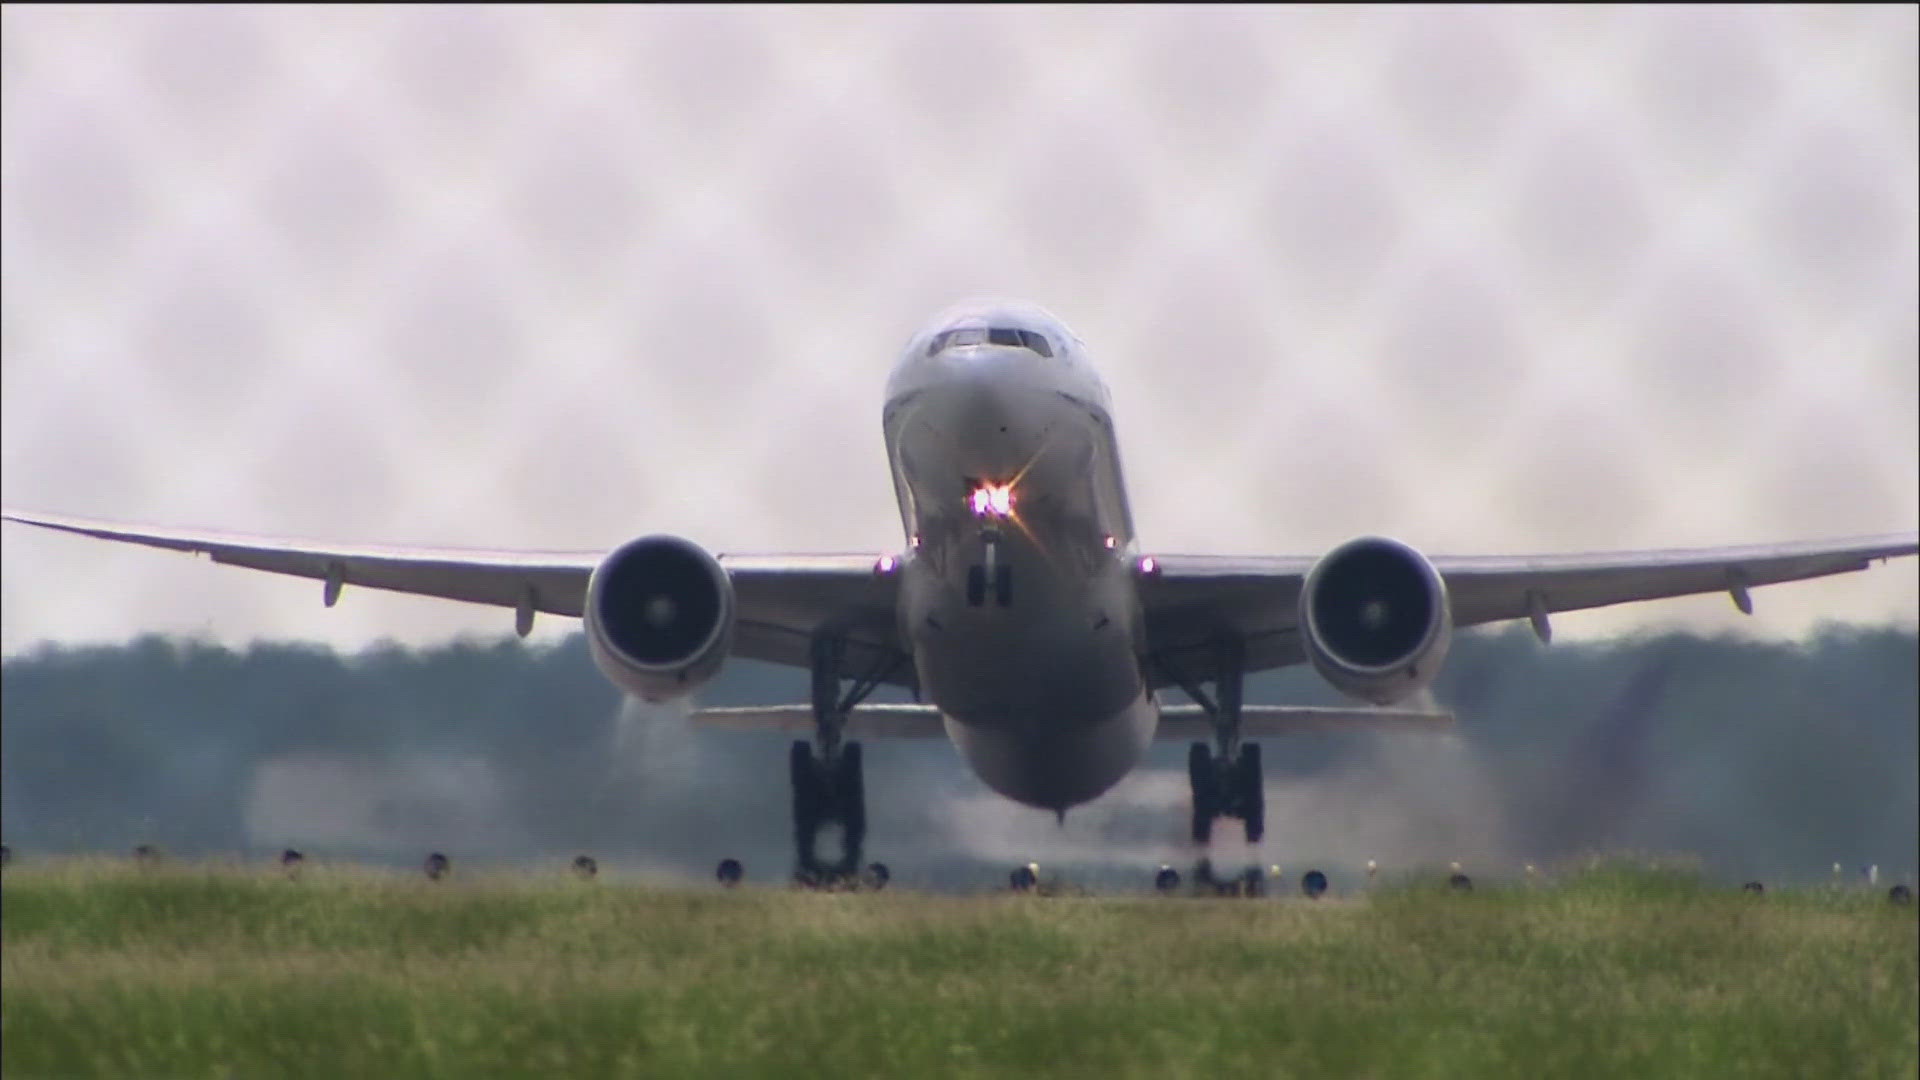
column 112, row 971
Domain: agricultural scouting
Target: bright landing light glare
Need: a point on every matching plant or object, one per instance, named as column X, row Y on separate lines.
column 991, row 500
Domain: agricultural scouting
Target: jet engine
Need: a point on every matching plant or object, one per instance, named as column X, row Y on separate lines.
column 1374, row 619
column 659, row 617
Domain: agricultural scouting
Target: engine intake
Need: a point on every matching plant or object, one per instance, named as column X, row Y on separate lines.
column 1375, row 620
column 659, row 617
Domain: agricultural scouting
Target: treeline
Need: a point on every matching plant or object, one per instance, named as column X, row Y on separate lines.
column 1758, row 758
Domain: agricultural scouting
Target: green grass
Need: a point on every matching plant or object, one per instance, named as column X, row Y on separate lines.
column 112, row 971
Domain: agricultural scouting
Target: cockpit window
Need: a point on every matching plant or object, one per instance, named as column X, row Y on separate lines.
column 997, row 335
column 970, row 335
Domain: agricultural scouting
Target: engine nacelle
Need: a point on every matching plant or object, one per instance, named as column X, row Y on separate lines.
column 1374, row 619
column 659, row 617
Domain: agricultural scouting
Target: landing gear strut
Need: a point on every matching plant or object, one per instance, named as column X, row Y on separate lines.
column 828, row 786
column 1225, row 777
column 990, row 574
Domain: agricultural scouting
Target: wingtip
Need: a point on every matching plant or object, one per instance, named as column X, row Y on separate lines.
column 50, row 521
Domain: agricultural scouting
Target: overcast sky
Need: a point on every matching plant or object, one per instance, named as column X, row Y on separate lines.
column 1486, row 280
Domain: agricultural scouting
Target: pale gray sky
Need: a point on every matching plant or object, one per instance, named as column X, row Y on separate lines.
column 1487, row 280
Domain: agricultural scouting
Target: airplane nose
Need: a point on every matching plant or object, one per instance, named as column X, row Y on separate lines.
column 983, row 414
column 977, row 383
column 993, row 413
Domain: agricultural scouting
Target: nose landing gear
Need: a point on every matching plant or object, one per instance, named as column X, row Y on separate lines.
column 990, row 572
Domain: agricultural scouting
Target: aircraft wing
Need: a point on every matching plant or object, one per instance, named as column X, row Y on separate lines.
column 1188, row 599
column 782, row 598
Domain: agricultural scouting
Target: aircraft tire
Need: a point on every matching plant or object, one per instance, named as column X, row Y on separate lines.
column 805, row 777
column 1253, row 794
column 850, row 799
column 1203, row 781
column 1253, row 883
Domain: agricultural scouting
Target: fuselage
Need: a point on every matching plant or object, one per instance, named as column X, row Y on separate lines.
column 1017, row 592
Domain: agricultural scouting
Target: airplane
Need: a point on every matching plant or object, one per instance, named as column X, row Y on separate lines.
column 1023, row 614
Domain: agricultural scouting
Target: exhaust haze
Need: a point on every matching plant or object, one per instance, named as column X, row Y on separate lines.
column 1761, row 759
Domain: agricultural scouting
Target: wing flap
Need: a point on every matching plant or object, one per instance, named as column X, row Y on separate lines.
column 1191, row 722
column 1176, row 721
column 863, row 721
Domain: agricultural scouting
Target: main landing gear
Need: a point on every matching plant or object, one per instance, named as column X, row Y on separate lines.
column 828, row 787
column 1225, row 777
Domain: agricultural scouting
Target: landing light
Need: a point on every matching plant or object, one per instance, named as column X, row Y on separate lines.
column 991, row 500
column 1149, row 566
column 885, row 565
column 1109, row 543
